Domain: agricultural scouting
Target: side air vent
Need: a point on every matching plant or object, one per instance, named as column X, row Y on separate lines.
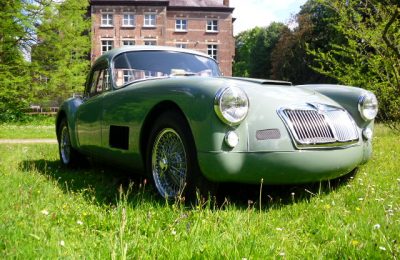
column 268, row 134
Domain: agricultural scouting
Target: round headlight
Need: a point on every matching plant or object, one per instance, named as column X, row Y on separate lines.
column 368, row 106
column 231, row 105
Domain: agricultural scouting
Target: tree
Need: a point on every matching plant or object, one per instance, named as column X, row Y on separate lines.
column 14, row 70
column 56, row 33
column 253, row 51
column 290, row 58
column 370, row 55
column 61, row 57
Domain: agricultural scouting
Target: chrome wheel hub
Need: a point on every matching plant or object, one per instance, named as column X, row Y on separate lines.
column 169, row 163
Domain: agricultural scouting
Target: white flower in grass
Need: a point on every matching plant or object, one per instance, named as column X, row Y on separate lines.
column 279, row 229
column 282, row 254
column 382, row 248
column 44, row 212
column 360, row 199
column 377, row 226
column 173, row 232
column 62, row 243
column 79, row 222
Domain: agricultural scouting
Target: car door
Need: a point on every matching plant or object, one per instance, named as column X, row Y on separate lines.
column 90, row 113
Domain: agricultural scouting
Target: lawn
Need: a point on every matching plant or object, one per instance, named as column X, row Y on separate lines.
column 35, row 127
column 50, row 212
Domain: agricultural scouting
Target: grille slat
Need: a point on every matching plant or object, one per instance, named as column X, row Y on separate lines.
column 312, row 126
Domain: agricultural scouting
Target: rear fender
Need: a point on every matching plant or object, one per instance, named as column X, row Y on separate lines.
column 69, row 109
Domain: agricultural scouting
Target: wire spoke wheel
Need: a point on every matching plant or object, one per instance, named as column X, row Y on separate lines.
column 169, row 163
column 65, row 145
column 69, row 156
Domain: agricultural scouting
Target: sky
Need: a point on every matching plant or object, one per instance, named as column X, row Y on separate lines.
column 252, row 13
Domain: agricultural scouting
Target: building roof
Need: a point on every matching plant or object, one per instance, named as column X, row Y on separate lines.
column 197, row 3
column 170, row 3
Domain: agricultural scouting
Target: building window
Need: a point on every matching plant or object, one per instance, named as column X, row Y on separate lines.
column 150, row 42
column 128, row 20
column 149, row 20
column 150, row 74
column 212, row 51
column 181, row 25
column 128, row 76
column 212, row 26
column 106, row 45
column 107, row 20
column 181, row 45
column 128, row 42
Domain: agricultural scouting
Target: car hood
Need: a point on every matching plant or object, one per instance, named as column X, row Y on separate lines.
column 277, row 94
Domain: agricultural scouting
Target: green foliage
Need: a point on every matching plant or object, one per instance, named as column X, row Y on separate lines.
column 370, row 55
column 50, row 212
column 290, row 60
column 253, row 51
column 15, row 87
column 61, row 56
column 57, row 34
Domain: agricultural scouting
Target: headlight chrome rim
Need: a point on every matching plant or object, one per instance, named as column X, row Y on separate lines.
column 224, row 115
column 368, row 106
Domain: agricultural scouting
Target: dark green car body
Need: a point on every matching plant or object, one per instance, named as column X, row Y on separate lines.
column 114, row 125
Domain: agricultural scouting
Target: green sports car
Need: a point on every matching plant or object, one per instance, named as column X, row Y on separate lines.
column 169, row 113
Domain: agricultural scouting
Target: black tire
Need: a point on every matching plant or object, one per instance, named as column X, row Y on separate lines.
column 171, row 160
column 69, row 156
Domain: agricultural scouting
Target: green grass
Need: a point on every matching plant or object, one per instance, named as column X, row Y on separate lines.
column 35, row 127
column 50, row 212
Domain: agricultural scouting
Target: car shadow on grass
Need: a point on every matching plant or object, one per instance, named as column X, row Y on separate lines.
column 275, row 196
column 104, row 184
column 108, row 185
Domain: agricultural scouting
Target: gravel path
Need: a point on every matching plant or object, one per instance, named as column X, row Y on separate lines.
column 28, row 141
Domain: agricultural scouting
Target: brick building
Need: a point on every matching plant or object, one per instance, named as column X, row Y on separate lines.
column 203, row 25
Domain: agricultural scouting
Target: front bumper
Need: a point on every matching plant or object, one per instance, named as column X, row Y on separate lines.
column 299, row 166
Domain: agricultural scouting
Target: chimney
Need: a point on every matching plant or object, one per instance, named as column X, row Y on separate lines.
column 226, row 3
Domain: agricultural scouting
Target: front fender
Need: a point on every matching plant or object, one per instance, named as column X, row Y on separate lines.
column 346, row 96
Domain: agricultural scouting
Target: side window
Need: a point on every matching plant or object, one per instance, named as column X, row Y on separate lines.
column 100, row 82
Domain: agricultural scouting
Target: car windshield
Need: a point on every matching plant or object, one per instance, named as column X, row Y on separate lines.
column 139, row 65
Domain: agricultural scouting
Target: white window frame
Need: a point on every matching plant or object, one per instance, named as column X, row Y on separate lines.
column 127, row 75
column 212, row 51
column 128, row 20
column 181, row 45
column 107, row 20
column 181, row 25
column 150, row 42
column 107, row 44
column 212, row 25
column 150, row 20
column 124, row 41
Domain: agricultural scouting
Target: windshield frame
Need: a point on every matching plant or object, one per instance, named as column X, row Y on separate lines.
column 215, row 70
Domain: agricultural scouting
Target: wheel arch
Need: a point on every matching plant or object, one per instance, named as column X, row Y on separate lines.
column 68, row 111
column 151, row 118
column 60, row 116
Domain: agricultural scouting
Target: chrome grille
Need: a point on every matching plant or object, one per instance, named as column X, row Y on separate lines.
column 342, row 125
column 319, row 125
column 310, row 127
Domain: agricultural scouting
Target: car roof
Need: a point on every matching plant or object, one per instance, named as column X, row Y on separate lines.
column 109, row 55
